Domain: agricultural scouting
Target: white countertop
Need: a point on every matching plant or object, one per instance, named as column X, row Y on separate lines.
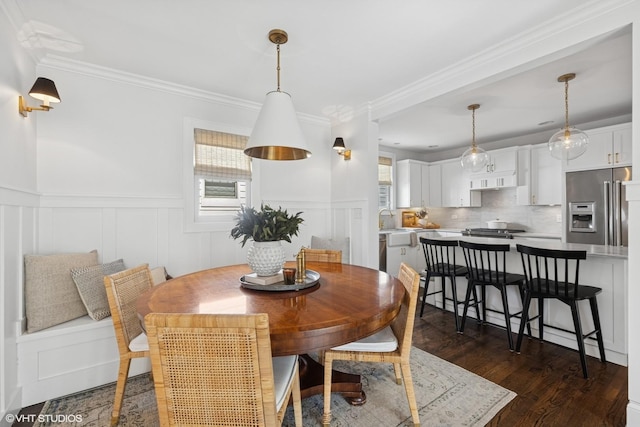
column 592, row 250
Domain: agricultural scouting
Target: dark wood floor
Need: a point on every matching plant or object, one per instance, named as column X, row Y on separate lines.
column 547, row 377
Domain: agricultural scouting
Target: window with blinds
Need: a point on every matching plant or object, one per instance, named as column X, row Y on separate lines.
column 222, row 170
column 384, row 182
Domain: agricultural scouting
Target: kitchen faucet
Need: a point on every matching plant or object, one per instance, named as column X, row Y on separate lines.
column 380, row 221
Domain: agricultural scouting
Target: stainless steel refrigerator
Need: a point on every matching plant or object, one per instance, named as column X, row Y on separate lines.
column 597, row 209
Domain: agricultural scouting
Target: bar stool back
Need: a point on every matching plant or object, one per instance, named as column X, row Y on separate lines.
column 440, row 256
column 552, row 273
column 486, row 264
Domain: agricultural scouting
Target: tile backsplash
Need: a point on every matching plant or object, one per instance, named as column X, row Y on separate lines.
column 500, row 204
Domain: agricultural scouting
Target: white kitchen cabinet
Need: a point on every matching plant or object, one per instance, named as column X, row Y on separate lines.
column 499, row 172
column 397, row 255
column 417, row 182
column 435, row 186
column 456, row 190
column 608, row 147
column 542, row 178
column 410, row 183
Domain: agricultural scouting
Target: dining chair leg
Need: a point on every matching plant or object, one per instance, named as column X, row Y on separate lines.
column 398, row 371
column 575, row 312
column 326, row 414
column 596, row 322
column 297, row 399
column 121, row 384
column 411, row 396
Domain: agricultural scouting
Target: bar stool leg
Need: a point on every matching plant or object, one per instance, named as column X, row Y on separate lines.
column 424, row 295
column 454, row 294
column 596, row 322
column 575, row 312
column 507, row 315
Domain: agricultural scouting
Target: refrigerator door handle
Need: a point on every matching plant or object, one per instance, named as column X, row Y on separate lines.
column 617, row 217
column 608, row 231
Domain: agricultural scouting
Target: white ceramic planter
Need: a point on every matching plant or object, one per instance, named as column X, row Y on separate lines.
column 266, row 258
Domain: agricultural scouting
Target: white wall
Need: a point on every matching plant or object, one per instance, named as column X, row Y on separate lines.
column 110, row 171
column 18, row 203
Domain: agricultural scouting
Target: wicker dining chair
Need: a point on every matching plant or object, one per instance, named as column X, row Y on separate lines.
column 322, row 255
column 217, row 370
column 123, row 289
column 390, row 345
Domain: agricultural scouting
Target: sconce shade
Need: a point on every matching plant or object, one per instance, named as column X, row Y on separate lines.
column 45, row 90
column 277, row 134
column 339, row 144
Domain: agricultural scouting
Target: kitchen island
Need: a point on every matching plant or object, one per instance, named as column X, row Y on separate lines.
column 605, row 267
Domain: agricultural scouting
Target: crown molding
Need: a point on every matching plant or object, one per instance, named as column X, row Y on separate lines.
column 79, row 67
column 549, row 40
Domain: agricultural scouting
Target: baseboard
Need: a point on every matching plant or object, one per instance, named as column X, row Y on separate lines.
column 633, row 414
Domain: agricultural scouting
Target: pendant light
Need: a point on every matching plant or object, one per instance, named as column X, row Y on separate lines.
column 277, row 134
column 568, row 143
column 474, row 158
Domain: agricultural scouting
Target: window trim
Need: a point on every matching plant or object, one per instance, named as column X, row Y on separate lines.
column 221, row 221
column 392, row 187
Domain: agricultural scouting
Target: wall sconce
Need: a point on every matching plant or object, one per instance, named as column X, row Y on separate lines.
column 44, row 90
column 338, row 145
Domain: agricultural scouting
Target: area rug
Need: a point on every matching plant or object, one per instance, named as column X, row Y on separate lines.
column 446, row 394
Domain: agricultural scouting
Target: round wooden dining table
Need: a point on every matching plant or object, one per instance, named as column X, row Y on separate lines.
column 347, row 303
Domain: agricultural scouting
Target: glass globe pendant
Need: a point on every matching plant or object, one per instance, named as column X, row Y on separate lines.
column 474, row 158
column 567, row 143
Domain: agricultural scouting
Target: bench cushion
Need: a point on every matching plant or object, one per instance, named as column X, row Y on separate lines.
column 90, row 283
column 51, row 296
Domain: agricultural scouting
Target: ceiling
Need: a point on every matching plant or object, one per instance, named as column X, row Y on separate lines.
column 342, row 56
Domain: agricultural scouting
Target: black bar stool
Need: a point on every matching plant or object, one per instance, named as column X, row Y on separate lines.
column 553, row 273
column 486, row 264
column 440, row 256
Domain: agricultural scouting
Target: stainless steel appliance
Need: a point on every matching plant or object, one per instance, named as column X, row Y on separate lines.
column 503, row 233
column 597, row 206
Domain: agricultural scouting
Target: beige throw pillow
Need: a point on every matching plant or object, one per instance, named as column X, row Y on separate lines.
column 90, row 284
column 51, row 296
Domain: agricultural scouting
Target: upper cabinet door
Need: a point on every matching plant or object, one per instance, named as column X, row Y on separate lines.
column 435, row 186
column 608, row 147
column 546, row 177
column 409, row 185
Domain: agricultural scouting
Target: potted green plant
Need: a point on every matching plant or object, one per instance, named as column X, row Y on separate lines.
column 267, row 228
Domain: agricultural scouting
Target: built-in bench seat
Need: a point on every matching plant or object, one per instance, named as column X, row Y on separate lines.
column 72, row 356
column 69, row 357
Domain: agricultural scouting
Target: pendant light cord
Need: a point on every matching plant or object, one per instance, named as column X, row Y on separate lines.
column 473, row 128
column 566, row 104
column 278, row 67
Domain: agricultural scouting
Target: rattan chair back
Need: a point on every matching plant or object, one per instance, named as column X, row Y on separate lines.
column 214, row 370
column 402, row 329
column 123, row 289
column 322, row 255
column 402, row 325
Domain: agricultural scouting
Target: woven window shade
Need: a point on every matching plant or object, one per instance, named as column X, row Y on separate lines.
column 221, row 156
column 384, row 170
